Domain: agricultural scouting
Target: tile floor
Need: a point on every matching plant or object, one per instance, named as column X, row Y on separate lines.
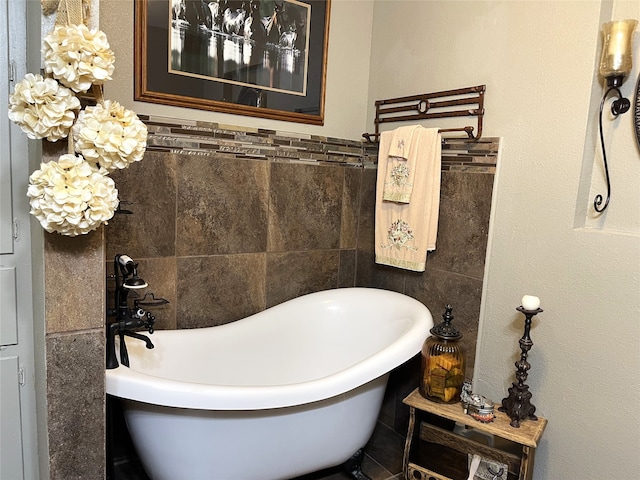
column 382, row 460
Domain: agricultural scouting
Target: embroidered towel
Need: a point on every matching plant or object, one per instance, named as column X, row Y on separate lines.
column 400, row 169
column 405, row 232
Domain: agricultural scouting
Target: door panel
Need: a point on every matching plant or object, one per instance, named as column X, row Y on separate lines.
column 6, row 215
column 8, row 308
column 11, row 464
column 19, row 458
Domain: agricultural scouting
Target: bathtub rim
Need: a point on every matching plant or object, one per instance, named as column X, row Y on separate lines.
column 124, row 382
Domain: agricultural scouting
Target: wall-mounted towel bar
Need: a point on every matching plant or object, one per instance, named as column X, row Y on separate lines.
column 423, row 107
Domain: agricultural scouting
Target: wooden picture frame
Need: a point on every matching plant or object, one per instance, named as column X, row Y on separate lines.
column 636, row 112
column 260, row 58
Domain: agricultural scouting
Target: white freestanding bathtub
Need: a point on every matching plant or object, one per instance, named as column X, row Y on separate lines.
column 285, row 392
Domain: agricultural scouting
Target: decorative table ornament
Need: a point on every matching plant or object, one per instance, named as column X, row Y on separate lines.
column 518, row 404
column 475, row 405
column 443, row 362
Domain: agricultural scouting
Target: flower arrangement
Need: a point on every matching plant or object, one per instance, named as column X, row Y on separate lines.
column 110, row 135
column 74, row 195
column 71, row 196
column 78, row 57
column 43, row 108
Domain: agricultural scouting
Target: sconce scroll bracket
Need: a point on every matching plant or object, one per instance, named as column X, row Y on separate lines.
column 619, row 106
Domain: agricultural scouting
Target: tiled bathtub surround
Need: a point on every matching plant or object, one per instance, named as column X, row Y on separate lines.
column 243, row 219
column 74, row 345
column 228, row 221
column 239, row 220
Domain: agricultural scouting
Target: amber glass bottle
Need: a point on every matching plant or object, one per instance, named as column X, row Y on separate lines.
column 443, row 362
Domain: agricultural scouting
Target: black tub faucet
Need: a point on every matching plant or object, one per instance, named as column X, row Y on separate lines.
column 127, row 320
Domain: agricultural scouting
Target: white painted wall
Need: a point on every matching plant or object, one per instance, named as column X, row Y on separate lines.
column 538, row 62
column 347, row 72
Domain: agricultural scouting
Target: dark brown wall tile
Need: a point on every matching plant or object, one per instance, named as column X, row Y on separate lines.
column 437, row 288
column 219, row 289
column 305, row 207
column 347, row 273
column 74, row 282
column 455, row 269
column 160, row 274
column 402, row 381
column 293, row 274
column 222, row 205
column 463, row 226
column 75, row 402
column 150, row 186
column 350, row 207
column 366, row 229
column 372, row 275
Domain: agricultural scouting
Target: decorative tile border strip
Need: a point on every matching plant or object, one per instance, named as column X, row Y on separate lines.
column 204, row 138
column 457, row 155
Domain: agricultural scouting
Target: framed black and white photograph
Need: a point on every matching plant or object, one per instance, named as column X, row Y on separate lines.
column 262, row 58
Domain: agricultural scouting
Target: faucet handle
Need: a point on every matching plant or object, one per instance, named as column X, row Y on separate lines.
column 148, row 324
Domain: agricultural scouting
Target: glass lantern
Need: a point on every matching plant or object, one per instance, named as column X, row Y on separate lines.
column 615, row 61
column 443, row 362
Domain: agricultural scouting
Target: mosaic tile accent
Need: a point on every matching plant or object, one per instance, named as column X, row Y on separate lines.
column 205, row 138
column 183, row 136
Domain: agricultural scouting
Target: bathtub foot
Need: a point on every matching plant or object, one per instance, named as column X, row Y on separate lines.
column 353, row 466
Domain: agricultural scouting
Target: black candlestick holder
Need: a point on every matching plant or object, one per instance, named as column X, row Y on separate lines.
column 518, row 404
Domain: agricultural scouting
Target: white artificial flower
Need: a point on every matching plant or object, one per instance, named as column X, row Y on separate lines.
column 78, row 57
column 71, row 197
column 110, row 135
column 43, row 108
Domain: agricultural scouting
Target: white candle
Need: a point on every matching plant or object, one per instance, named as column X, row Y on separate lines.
column 529, row 302
column 618, row 39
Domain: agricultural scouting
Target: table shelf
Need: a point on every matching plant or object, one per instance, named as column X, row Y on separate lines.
column 514, row 447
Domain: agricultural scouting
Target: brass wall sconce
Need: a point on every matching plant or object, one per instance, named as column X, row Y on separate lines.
column 615, row 65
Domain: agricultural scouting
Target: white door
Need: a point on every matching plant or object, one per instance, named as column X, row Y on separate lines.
column 18, row 444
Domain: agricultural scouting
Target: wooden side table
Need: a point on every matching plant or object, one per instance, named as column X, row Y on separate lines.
column 514, row 447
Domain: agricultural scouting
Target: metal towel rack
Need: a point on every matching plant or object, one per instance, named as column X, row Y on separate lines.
column 423, row 107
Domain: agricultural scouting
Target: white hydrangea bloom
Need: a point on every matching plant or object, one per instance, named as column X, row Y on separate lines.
column 78, row 57
column 71, row 196
column 43, row 108
column 110, row 135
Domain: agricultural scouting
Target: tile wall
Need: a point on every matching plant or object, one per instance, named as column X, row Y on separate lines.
column 454, row 271
column 74, row 286
column 228, row 221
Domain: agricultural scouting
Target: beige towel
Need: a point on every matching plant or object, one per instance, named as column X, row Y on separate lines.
column 404, row 232
column 400, row 170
